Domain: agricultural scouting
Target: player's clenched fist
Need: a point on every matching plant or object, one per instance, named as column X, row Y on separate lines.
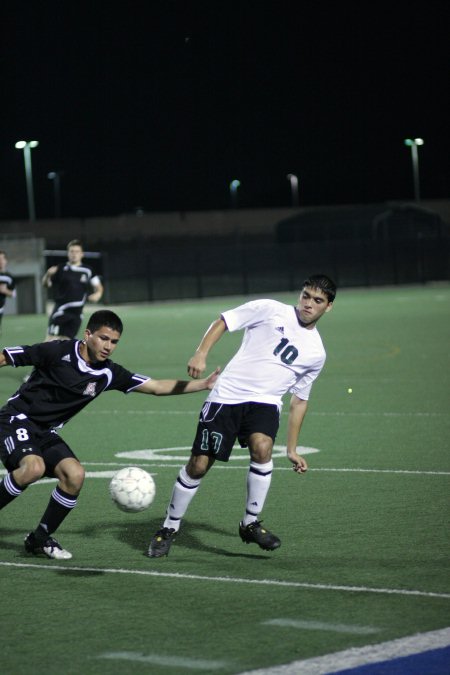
column 196, row 365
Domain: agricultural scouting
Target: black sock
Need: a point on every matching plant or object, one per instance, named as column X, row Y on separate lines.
column 59, row 506
column 9, row 490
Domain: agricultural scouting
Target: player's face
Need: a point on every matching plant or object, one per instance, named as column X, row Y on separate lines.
column 74, row 255
column 100, row 344
column 3, row 262
column 312, row 303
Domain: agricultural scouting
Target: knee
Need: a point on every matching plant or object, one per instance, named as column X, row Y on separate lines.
column 197, row 466
column 75, row 478
column 261, row 450
column 30, row 470
column 71, row 477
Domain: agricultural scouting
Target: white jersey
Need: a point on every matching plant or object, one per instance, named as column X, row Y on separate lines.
column 277, row 355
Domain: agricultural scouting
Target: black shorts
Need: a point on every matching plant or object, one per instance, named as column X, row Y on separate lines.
column 221, row 424
column 19, row 437
column 67, row 324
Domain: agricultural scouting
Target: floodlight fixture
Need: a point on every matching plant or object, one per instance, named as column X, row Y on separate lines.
column 413, row 143
column 234, row 184
column 293, row 179
column 26, row 147
column 55, row 177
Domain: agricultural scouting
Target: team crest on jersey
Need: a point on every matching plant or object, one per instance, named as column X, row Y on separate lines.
column 84, row 279
column 90, row 389
column 280, row 329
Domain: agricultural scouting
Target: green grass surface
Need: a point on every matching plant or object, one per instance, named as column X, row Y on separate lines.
column 364, row 533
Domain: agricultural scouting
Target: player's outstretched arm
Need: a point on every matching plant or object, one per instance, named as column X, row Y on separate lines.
column 197, row 363
column 297, row 412
column 4, row 290
column 174, row 387
column 47, row 278
column 97, row 293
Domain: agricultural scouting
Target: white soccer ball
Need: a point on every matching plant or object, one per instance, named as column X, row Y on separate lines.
column 132, row 489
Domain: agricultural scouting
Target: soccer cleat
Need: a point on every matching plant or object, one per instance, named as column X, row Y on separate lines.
column 253, row 533
column 48, row 547
column 161, row 542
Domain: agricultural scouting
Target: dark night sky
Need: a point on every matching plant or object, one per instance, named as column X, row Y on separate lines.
column 161, row 104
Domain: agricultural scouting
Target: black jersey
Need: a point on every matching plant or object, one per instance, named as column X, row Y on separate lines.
column 8, row 279
column 62, row 383
column 71, row 285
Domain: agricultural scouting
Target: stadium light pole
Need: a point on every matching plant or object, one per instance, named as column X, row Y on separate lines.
column 233, row 192
column 294, row 187
column 55, row 176
column 26, row 147
column 413, row 143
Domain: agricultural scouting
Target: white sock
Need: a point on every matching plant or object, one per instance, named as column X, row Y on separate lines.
column 258, row 483
column 184, row 490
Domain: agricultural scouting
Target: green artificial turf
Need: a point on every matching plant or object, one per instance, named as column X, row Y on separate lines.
column 364, row 533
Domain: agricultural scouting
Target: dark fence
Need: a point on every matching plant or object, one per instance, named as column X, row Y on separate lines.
column 147, row 272
column 357, row 246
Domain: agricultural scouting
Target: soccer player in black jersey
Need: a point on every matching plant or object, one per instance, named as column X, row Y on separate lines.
column 67, row 376
column 7, row 284
column 73, row 284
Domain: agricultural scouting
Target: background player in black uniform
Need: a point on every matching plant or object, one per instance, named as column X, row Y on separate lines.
column 73, row 284
column 67, row 376
column 7, row 284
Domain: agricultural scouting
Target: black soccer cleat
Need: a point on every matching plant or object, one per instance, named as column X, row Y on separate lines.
column 48, row 547
column 253, row 533
column 161, row 542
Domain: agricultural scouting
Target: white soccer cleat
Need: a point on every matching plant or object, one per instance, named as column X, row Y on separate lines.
column 52, row 549
column 49, row 547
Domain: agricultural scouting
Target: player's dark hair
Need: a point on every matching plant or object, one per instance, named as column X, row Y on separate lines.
column 104, row 317
column 322, row 283
column 74, row 242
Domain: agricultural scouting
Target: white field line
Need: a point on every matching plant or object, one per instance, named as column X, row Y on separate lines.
column 401, row 471
column 332, row 413
column 233, row 580
column 361, row 656
column 179, row 462
column 93, row 474
column 169, row 661
column 322, row 626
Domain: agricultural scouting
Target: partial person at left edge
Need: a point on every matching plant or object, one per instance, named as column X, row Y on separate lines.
column 73, row 284
column 7, row 284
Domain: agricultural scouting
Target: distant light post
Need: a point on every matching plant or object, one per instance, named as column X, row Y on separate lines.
column 26, row 147
column 294, row 187
column 55, row 176
column 233, row 192
column 413, row 143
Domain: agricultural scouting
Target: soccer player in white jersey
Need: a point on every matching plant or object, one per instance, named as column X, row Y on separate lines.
column 73, row 284
column 281, row 352
column 67, row 376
